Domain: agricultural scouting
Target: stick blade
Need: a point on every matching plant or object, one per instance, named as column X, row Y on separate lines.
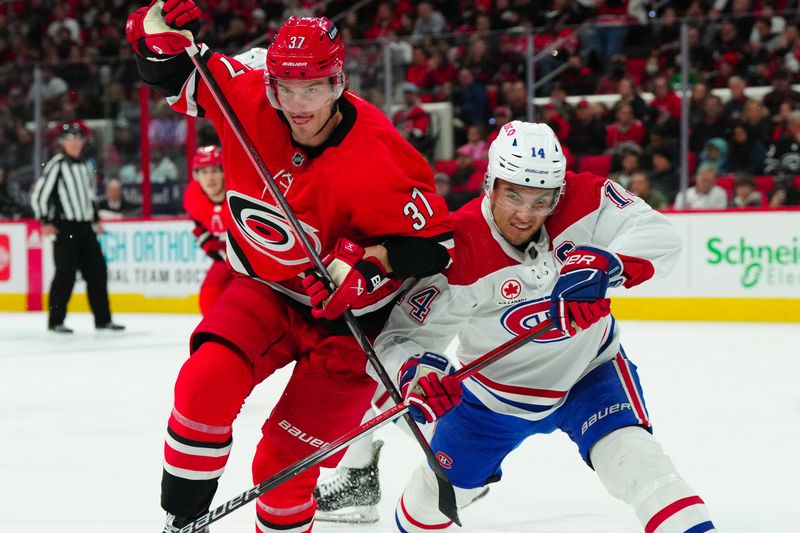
column 447, row 500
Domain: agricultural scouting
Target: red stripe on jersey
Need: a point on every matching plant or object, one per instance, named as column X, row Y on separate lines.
column 584, row 192
column 515, row 389
column 635, row 270
column 630, row 387
column 420, row 524
column 195, row 463
column 671, row 510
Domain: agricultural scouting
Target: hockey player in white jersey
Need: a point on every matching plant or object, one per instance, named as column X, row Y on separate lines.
column 541, row 242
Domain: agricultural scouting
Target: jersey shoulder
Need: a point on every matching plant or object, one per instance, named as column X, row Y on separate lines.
column 582, row 196
column 477, row 252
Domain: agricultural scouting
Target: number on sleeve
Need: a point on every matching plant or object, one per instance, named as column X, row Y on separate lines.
column 411, row 209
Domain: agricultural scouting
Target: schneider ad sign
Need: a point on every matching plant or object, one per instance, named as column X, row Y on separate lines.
column 733, row 255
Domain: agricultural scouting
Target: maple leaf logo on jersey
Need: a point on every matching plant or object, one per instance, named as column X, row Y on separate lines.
column 268, row 231
column 510, row 289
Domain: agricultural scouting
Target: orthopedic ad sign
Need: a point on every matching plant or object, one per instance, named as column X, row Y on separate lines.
column 152, row 266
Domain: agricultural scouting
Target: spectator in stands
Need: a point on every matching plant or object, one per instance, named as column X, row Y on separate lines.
column 609, row 82
column 629, row 94
column 167, row 129
column 587, row 134
column 640, row 186
column 429, row 21
column 659, row 140
column 697, row 99
column 664, row 176
column 413, row 122
column 62, row 21
column 709, row 125
column 440, row 71
column 509, row 64
column 783, row 156
column 469, row 98
column 464, row 168
column 500, row 117
column 577, row 78
column 478, row 59
column 667, row 34
column 744, row 192
column 665, row 101
column 625, row 129
column 705, row 194
column 114, row 205
column 454, row 200
column 628, row 163
column 745, row 154
column 715, row 153
column 417, row 72
column 735, row 104
column 476, row 144
column 755, row 118
column 785, row 193
column 781, row 92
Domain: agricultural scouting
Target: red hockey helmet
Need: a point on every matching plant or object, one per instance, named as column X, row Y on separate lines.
column 305, row 49
column 207, row 156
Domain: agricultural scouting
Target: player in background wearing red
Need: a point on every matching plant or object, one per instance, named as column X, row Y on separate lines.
column 367, row 201
column 204, row 201
column 541, row 242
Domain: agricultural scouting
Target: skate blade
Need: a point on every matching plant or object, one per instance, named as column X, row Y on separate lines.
column 359, row 514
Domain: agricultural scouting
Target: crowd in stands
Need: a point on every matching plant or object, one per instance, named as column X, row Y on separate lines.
column 471, row 53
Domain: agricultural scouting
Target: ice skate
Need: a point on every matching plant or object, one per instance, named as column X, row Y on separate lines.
column 175, row 523
column 351, row 494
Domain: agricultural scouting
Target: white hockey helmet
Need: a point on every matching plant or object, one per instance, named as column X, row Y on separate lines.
column 527, row 154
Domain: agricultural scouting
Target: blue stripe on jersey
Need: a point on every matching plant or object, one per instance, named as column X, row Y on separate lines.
column 701, row 528
column 519, row 405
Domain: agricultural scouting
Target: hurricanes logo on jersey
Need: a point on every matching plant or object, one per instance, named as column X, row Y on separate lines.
column 526, row 315
column 267, row 231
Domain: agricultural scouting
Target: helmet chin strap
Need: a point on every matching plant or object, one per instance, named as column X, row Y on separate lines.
column 334, row 110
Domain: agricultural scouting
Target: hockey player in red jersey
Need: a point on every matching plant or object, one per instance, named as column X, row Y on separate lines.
column 204, row 200
column 366, row 200
column 540, row 243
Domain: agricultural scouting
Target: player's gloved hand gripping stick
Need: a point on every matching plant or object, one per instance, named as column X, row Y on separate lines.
column 152, row 32
column 348, row 438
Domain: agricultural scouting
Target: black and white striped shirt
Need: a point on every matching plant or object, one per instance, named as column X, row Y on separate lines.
column 65, row 191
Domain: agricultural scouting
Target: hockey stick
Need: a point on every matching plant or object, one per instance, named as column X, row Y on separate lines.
column 369, row 426
column 447, row 496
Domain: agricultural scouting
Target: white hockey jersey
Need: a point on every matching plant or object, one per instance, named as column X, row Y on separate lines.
column 493, row 291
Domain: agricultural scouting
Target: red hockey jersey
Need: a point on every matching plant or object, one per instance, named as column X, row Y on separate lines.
column 209, row 224
column 367, row 185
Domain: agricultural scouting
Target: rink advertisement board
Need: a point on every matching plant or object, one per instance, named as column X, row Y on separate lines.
column 13, row 266
column 738, row 266
column 153, row 266
column 734, row 266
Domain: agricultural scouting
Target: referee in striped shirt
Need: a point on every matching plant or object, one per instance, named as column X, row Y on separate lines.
column 63, row 200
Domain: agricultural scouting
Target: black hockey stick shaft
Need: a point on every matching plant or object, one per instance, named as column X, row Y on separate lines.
column 367, row 427
column 503, row 350
column 447, row 496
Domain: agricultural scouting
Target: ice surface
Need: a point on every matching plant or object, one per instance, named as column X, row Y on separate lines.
column 82, row 423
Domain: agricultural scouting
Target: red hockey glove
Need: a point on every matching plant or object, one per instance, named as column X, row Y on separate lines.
column 579, row 296
column 163, row 28
column 427, row 386
column 354, row 276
